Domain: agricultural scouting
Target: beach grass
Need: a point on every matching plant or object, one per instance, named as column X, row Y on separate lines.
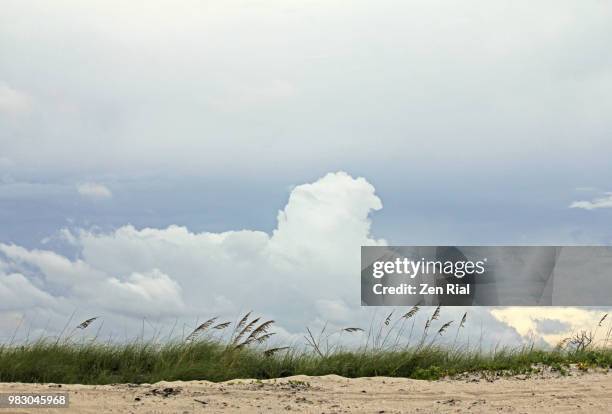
column 243, row 354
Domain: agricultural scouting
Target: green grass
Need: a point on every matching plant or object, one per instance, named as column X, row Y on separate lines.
column 221, row 351
column 93, row 363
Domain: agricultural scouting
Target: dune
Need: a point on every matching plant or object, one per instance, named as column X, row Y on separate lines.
column 576, row 392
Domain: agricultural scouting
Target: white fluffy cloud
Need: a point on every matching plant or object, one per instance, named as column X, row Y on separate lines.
column 305, row 272
column 150, row 293
column 600, row 202
column 18, row 293
column 307, row 266
column 94, row 191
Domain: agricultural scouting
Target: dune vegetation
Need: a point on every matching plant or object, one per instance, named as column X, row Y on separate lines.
column 394, row 348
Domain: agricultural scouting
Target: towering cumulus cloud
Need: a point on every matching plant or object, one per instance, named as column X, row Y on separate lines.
column 307, row 266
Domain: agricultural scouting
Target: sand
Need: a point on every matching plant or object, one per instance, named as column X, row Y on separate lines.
column 588, row 393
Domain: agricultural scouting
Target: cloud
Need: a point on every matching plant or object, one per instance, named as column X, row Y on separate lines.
column 601, row 202
column 150, row 294
column 11, row 189
column 530, row 323
column 173, row 271
column 18, row 293
column 238, row 97
column 5, row 163
column 146, row 294
column 305, row 272
column 184, row 103
column 94, row 191
column 12, row 101
column 551, row 326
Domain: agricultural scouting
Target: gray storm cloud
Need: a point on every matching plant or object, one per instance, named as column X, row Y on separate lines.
column 200, row 87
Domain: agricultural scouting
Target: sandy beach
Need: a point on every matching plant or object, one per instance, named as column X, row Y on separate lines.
column 334, row 394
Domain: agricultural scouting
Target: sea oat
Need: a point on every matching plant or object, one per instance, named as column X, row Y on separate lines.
column 353, row 330
column 197, row 331
column 436, row 314
column 259, row 334
column 462, row 324
column 272, row 351
column 87, row 322
column 248, row 328
column 389, row 318
column 243, row 321
column 443, row 328
column 264, row 338
column 261, row 329
column 602, row 319
column 411, row 312
column 222, row 325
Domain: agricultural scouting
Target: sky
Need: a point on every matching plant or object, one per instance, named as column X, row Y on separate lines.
column 174, row 161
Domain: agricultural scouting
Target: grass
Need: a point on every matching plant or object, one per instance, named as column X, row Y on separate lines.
column 243, row 355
